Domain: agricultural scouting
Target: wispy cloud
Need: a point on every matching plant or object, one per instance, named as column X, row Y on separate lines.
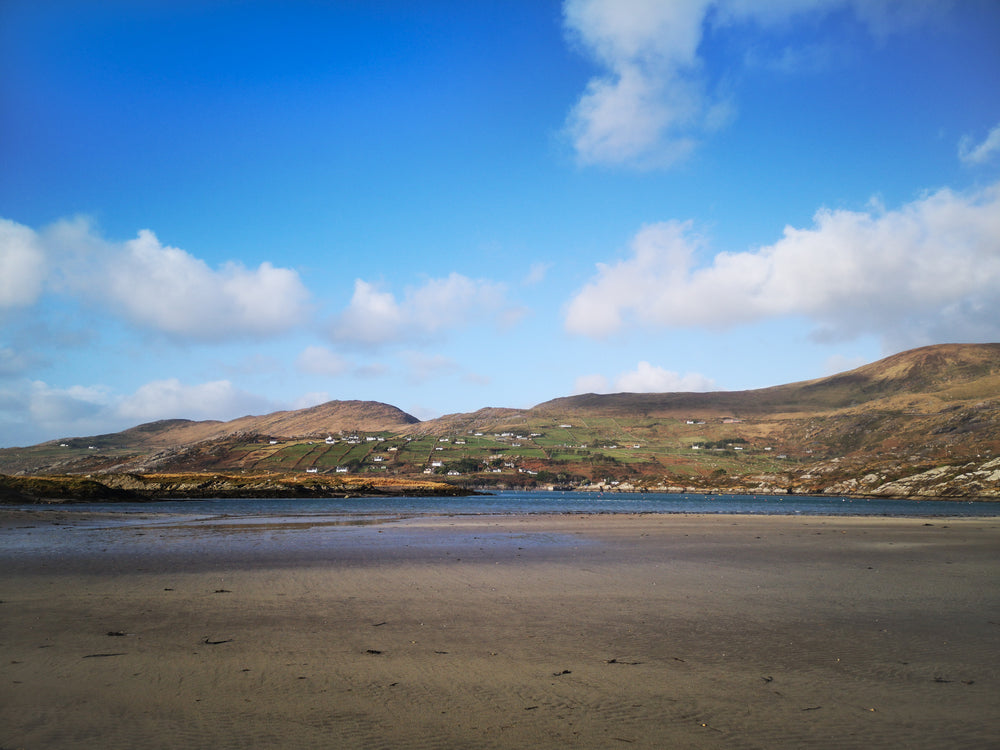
column 22, row 265
column 536, row 274
column 375, row 317
column 169, row 398
column 649, row 104
column 973, row 153
column 653, row 101
column 926, row 272
column 13, row 362
column 318, row 360
column 420, row 366
column 34, row 410
column 645, row 378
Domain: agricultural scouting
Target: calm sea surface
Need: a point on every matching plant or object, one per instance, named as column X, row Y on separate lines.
column 552, row 502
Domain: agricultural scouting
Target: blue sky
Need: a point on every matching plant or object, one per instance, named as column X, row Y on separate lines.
column 211, row 209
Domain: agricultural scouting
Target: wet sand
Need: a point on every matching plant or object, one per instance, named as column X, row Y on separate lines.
column 487, row 632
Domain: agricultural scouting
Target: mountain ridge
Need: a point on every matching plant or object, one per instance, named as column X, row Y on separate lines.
column 912, row 371
column 911, row 412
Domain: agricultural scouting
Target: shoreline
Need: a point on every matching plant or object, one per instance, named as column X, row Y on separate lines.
column 567, row 630
column 67, row 489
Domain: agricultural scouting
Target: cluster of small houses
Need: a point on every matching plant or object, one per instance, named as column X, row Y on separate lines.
column 508, row 437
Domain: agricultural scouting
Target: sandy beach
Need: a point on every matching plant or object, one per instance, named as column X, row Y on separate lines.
column 499, row 631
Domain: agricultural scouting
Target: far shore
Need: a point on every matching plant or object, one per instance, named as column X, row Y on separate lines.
column 132, row 488
column 111, row 488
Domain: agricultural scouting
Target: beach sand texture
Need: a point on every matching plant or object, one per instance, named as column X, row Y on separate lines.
column 485, row 632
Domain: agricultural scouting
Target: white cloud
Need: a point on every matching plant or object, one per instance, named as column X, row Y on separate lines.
column 652, row 103
column 151, row 285
column 33, row 411
column 974, row 153
column 927, row 272
column 645, row 378
column 73, row 405
column 372, row 316
column 167, row 289
column 376, row 317
column 442, row 303
column 318, row 360
column 590, row 384
column 661, row 255
column 22, row 265
column 649, row 102
column 170, row 399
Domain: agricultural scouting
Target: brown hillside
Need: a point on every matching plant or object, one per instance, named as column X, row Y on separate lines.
column 482, row 420
column 946, row 370
column 96, row 452
column 333, row 416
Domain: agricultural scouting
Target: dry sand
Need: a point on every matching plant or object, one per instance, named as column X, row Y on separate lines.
column 480, row 632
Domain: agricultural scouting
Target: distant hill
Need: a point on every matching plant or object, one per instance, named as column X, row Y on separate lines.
column 961, row 370
column 925, row 422
column 173, row 434
column 333, row 416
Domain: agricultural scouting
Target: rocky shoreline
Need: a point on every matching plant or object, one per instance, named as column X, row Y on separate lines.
column 110, row 488
column 934, row 484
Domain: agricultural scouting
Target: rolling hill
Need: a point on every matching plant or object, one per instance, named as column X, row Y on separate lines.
column 925, row 422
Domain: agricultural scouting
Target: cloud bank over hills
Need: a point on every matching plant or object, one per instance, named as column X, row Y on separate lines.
column 911, row 275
